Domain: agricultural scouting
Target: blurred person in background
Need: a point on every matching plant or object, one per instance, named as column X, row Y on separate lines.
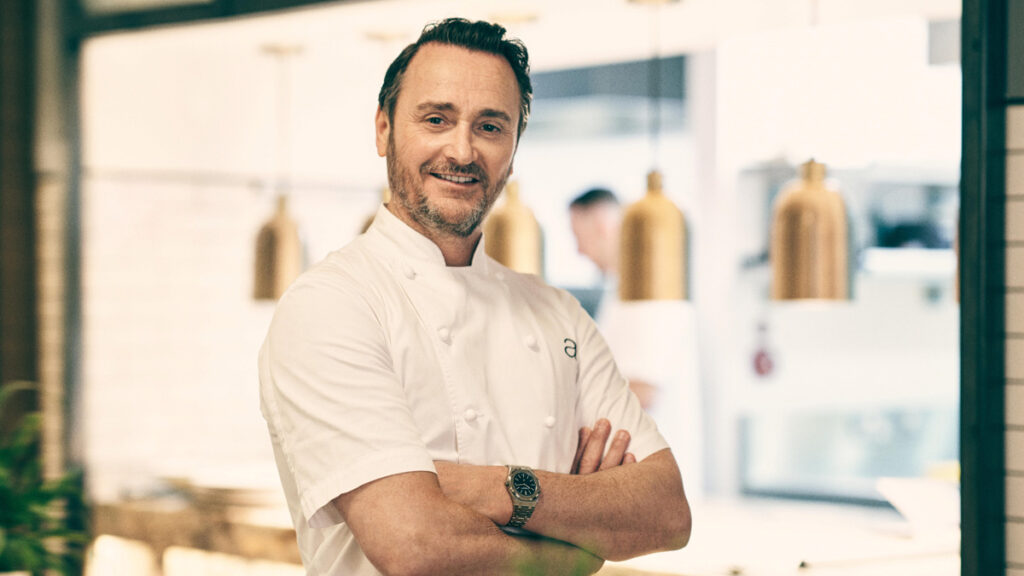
column 596, row 218
column 431, row 411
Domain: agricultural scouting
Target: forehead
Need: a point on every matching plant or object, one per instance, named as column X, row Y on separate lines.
column 469, row 79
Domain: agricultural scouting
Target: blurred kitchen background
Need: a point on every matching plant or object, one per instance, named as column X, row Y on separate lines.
column 187, row 128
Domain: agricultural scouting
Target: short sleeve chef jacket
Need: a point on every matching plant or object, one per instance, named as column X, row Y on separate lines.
column 381, row 359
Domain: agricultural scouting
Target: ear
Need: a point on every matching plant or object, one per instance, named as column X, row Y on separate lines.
column 383, row 126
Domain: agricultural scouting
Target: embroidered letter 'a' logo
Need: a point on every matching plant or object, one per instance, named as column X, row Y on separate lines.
column 570, row 347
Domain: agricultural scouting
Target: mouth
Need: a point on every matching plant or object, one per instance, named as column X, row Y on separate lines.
column 454, row 178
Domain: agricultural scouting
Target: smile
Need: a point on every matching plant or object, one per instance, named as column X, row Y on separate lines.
column 455, row 179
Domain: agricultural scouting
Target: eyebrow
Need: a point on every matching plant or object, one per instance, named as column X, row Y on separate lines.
column 449, row 107
column 499, row 114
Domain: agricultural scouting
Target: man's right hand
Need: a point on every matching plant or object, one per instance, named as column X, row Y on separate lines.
column 590, row 452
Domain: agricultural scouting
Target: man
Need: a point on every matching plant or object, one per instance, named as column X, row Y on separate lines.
column 596, row 219
column 410, row 383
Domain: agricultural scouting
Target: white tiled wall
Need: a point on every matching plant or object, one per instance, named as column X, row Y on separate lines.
column 1015, row 267
column 1015, row 450
column 1015, row 498
column 178, row 150
column 1015, row 206
column 1015, row 341
column 1014, row 551
column 1015, row 312
column 1014, row 360
column 1015, row 406
column 1015, row 171
column 171, row 328
column 1015, row 121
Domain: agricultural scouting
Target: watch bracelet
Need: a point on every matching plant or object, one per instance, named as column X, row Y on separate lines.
column 520, row 514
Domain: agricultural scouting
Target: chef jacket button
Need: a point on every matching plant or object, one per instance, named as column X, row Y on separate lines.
column 530, row 341
column 469, row 414
column 549, row 421
column 499, row 275
column 444, row 334
column 408, row 271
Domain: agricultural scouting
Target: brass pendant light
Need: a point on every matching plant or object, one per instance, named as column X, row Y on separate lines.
column 652, row 259
column 809, row 246
column 512, row 235
column 652, row 244
column 278, row 254
column 279, row 250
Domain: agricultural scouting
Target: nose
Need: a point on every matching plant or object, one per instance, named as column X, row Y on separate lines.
column 460, row 148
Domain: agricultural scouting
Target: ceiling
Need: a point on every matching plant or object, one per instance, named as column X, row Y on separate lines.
column 571, row 33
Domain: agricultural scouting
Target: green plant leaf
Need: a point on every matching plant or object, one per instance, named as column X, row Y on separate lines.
column 34, row 510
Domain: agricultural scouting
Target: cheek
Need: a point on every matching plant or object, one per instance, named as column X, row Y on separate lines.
column 499, row 167
column 410, row 155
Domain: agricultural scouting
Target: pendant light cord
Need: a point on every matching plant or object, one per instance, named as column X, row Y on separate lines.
column 654, row 87
column 283, row 122
column 282, row 55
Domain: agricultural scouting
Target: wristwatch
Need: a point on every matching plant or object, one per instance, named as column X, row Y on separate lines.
column 524, row 489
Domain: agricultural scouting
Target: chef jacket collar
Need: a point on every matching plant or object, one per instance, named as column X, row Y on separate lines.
column 415, row 247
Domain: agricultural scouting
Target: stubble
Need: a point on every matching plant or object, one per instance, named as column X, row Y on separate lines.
column 409, row 193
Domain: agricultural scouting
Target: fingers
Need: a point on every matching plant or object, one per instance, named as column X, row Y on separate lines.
column 590, row 452
column 584, row 437
column 593, row 448
column 617, row 451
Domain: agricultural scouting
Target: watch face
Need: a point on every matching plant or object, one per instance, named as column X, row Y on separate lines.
column 524, row 483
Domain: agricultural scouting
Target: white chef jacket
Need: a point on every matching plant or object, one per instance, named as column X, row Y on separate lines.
column 381, row 359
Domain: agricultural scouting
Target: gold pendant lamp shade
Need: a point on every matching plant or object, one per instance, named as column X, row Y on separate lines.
column 652, row 258
column 278, row 254
column 809, row 251
column 512, row 235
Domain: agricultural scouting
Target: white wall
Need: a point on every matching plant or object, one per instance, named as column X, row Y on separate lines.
column 179, row 163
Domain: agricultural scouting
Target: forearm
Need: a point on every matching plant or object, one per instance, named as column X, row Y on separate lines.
column 469, row 543
column 616, row 513
column 430, row 534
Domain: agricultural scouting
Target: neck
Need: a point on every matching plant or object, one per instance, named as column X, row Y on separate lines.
column 457, row 251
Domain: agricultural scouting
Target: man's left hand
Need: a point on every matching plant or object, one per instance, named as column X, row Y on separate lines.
column 482, row 488
column 590, row 453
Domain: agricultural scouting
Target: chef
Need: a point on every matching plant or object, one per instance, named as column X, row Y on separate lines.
column 420, row 396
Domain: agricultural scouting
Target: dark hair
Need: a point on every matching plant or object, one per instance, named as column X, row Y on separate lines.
column 593, row 197
column 480, row 36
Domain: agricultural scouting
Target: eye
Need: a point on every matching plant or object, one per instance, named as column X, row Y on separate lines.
column 435, row 120
column 492, row 128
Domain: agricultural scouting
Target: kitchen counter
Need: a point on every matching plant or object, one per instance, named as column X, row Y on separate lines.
column 765, row 537
column 735, row 538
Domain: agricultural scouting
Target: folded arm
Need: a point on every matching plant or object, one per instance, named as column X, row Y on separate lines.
column 614, row 508
column 405, row 525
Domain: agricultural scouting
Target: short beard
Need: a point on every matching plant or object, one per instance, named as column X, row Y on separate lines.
column 430, row 217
